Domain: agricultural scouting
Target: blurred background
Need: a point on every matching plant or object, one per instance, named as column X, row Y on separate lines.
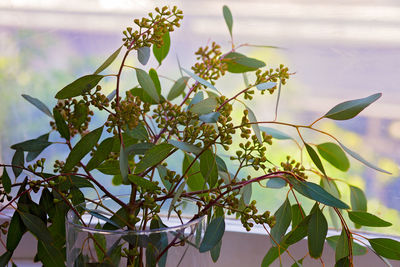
column 339, row 50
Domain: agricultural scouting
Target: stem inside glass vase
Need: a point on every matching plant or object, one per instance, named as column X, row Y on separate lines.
column 99, row 234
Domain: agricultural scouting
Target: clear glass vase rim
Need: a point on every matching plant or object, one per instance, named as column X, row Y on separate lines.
column 128, row 232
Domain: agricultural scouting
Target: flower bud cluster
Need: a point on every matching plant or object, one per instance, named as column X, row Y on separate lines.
column 152, row 29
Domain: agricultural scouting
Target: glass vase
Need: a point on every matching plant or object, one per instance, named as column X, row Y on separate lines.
column 90, row 242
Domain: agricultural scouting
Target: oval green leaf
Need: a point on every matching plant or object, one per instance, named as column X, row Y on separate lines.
column 34, row 154
column 208, row 167
column 185, row 146
column 361, row 159
column 358, row 250
column 101, row 153
column 177, row 194
column 154, row 155
column 275, row 133
column 317, row 230
column 83, row 147
column 210, row 117
column 39, row 104
column 315, row 158
column 204, row 106
column 178, row 88
column 367, row 219
column 239, row 63
column 317, row 193
column 108, row 61
column 17, row 228
column 213, row 235
column 18, row 160
column 143, row 182
column 357, row 199
column 200, row 80
column 352, row 108
column 228, row 18
column 143, row 55
column 266, row 86
column 160, row 53
column 283, row 218
column 37, row 227
column 79, row 87
column 61, row 125
column 6, row 181
column 254, row 125
column 147, row 84
column 276, row 183
column 333, row 154
column 123, row 164
column 386, row 247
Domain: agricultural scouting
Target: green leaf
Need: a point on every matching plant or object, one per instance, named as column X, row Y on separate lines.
column 119, row 218
column 37, row 227
column 153, row 156
column 98, row 215
column 350, row 109
column 75, row 181
column 215, row 251
column 50, row 255
column 342, row 246
column 213, row 235
column 358, row 250
column 143, row 182
column 386, row 247
column 357, row 199
column 139, row 148
column 16, row 230
column 80, row 86
column 246, row 193
column 208, row 167
column 254, row 125
column 265, row 86
column 147, row 84
column 210, row 117
column 317, row 230
column 83, row 147
column 162, row 172
column 221, row 164
column 283, row 218
column 101, row 153
column 178, row 88
column 100, row 244
column 314, row 156
column 5, row 258
column 77, row 196
column 204, row 106
column 361, row 159
column 160, row 53
column 185, row 146
column 32, row 145
column 39, row 104
column 61, row 125
column 200, row 80
column 18, row 160
column 332, row 153
column 228, row 18
column 177, row 194
column 123, row 164
column 139, row 133
column 110, row 167
column 317, row 193
column 239, row 63
column 199, row 96
column 34, row 154
column 367, row 219
column 5, row 181
column 108, row 61
column 297, row 214
column 298, row 232
column 275, row 133
column 276, row 183
column 154, row 77
column 194, row 180
column 330, row 186
column 272, row 254
column 143, row 54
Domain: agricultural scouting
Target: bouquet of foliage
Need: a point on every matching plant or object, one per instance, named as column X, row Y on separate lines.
column 150, row 123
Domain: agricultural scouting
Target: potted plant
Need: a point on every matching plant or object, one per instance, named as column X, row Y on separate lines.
column 148, row 125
